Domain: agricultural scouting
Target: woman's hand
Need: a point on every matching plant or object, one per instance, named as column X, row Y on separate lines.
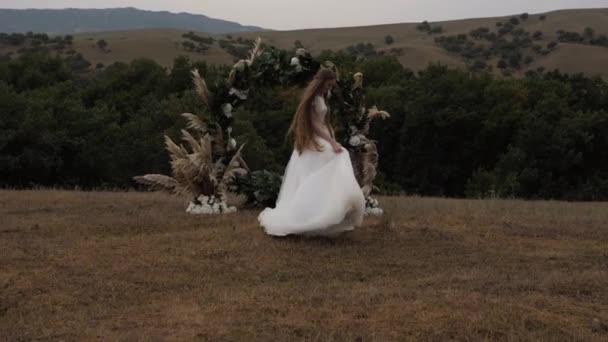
column 337, row 147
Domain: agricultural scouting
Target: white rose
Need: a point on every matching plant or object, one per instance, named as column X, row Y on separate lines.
column 355, row 141
column 301, row 52
column 295, row 61
column 227, row 109
column 241, row 94
column 232, row 144
column 229, row 130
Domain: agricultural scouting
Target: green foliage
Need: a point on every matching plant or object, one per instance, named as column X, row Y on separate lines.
column 588, row 37
column 202, row 43
column 424, row 26
column 601, row 40
column 238, row 51
column 430, row 29
column 362, row 50
column 569, row 37
column 509, row 44
column 452, row 132
column 102, row 44
column 261, row 187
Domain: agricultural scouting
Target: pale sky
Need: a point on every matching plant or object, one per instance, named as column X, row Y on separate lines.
column 290, row 14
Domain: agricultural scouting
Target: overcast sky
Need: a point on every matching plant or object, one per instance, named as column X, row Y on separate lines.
column 290, row 14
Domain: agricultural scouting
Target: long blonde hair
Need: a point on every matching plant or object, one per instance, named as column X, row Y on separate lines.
column 301, row 131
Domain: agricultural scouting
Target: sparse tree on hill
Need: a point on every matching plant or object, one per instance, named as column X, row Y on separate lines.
column 102, row 44
column 588, row 33
column 389, row 40
column 436, row 29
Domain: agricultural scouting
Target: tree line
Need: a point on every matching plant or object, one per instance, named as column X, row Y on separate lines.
column 452, row 133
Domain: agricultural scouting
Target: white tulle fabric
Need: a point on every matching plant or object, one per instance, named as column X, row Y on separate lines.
column 319, row 196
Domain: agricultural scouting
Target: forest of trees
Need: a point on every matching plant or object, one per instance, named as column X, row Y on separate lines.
column 452, row 132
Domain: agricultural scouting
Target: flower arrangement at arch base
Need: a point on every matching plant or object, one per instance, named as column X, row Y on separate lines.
column 210, row 162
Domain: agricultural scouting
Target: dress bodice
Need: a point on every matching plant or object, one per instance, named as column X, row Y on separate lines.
column 321, row 109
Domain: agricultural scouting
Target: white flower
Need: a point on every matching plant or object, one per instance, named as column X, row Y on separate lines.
column 353, row 130
column 295, row 61
column 241, row 94
column 354, row 141
column 227, row 109
column 301, row 52
column 232, row 144
column 216, row 207
column 229, row 130
column 374, row 211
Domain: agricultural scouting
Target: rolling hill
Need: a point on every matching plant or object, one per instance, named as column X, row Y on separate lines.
column 414, row 48
column 113, row 19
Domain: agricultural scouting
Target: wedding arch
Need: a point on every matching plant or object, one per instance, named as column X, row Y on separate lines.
column 209, row 159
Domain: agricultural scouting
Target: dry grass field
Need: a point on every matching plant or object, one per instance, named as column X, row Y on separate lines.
column 78, row 266
column 419, row 48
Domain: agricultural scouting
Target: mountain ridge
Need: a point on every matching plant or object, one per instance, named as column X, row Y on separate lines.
column 76, row 20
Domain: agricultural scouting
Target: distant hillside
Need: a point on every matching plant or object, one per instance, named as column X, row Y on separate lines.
column 115, row 19
column 569, row 40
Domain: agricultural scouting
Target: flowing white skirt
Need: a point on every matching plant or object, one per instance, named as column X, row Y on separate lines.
column 319, row 196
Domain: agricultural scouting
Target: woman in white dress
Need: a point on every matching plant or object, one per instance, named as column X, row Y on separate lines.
column 320, row 195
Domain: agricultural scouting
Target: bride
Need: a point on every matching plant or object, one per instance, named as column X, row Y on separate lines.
column 319, row 195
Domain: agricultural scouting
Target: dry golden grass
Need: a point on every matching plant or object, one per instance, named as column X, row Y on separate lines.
column 419, row 49
column 134, row 266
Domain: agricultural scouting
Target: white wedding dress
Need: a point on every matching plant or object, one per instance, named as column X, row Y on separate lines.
column 319, row 195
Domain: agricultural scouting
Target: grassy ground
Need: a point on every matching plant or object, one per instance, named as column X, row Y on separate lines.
column 134, row 266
